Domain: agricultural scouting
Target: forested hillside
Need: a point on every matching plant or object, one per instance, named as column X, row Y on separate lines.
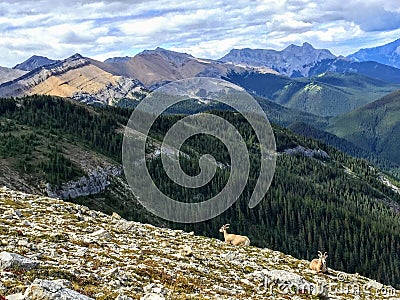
column 374, row 127
column 332, row 202
column 328, row 94
column 346, row 146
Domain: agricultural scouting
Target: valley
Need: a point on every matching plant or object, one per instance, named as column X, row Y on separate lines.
column 320, row 186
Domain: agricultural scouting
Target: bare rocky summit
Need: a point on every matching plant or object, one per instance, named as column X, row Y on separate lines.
column 34, row 62
column 50, row 249
column 293, row 61
column 76, row 77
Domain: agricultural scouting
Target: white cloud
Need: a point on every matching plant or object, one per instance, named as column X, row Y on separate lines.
column 207, row 28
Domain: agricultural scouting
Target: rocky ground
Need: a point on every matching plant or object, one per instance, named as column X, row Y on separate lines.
column 50, row 249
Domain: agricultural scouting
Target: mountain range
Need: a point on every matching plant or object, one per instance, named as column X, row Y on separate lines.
column 331, row 87
column 157, row 67
column 153, row 68
column 305, row 61
column 293, row 61
column 307, row 82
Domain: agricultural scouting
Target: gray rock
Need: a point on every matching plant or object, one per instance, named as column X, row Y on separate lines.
column 126, row 88
column 18, row 296
column 123, row 297
column 52, row 290
column 287, row 281
column 372, row 284
column 154, row 292
column 27, row 223
column 95, row 182
column 306, row 152
column 23, row 242
column 11, row 260
column 17, row 213
column 286, row 277
column 101, row 233
column 152, row 296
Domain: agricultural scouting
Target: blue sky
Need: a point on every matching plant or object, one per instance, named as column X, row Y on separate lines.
column 208, row 28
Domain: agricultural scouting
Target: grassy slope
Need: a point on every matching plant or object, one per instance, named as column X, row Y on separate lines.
column 143, row 254
column 370, row 69
column 346, row 146
column 375, row 127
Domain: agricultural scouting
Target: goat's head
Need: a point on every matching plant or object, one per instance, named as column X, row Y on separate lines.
column 224, row 227
column 322, row 256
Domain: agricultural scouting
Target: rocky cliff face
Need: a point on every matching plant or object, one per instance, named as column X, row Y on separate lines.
column 95, row 182
column 112, row 94
column 50, row 249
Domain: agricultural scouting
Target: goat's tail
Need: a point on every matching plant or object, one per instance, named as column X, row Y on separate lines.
column 247, row 241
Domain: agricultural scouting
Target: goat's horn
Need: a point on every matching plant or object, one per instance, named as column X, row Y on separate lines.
column 325, row 253
column 319, row 252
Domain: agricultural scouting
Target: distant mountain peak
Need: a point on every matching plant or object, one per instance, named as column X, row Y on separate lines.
column 388, row 54
column 34, row 62
column 293, row 61
column 177, row 58
column 118, row 59
column 76, row 56
column 305, row 45
column 160, row 50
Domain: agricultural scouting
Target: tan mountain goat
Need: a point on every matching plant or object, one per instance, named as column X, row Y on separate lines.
column 319, row 264
column 234, row 239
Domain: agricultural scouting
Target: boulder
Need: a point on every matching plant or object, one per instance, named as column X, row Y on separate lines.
column 154, row 292
column 123, row 297
column 52, row 290
column 18, row 296
column 15, row 261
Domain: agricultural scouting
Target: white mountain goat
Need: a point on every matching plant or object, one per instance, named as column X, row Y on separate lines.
column 234, row 239
column 319, row 264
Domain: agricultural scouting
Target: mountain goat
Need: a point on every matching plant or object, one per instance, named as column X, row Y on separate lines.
column 319, row 264
column 234, row 239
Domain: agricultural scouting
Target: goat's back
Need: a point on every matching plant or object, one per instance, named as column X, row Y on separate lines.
column 314, row 265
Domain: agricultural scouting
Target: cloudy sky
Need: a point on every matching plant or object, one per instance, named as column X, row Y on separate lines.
column 203, row 28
